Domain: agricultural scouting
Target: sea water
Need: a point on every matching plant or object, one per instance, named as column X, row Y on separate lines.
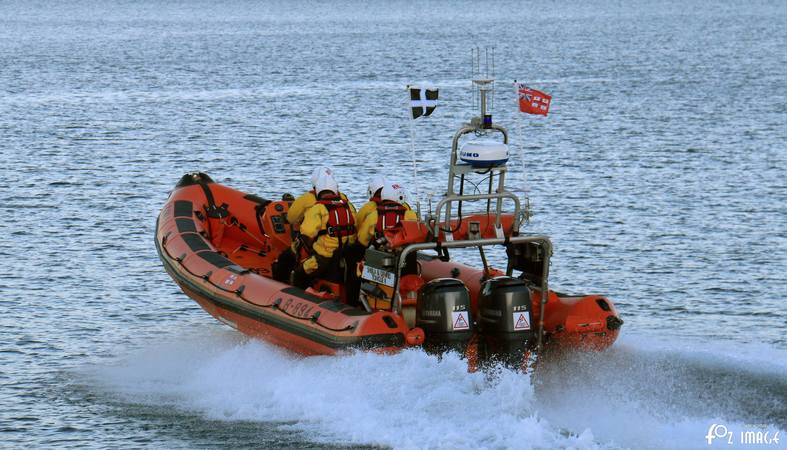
column 659, row 174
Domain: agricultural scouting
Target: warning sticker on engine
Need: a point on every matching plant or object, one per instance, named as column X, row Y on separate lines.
column 460, row 321
column 520, row 321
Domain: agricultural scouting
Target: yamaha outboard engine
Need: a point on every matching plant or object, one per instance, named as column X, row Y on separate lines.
column 504, row 319
column 443, row 312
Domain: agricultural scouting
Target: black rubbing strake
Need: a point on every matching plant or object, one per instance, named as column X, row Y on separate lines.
column 183, row 208
column 195, row 242
column 186, row 225
column 334, row 306
column 300, row 293
column 614, row 323
column 237, row 269
column 215, row 259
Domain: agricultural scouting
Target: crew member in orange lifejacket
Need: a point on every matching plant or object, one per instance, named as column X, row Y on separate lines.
column 386, row 214
column 374, row 189
column 301, row 204
column 289, row 258
column 327, row 228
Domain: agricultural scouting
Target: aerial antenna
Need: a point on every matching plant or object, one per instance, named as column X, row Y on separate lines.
column 488, row 73
column 473, row 75
column 483, row 84
column 493, row 77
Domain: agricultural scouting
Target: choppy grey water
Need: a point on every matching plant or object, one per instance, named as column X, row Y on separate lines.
column 660, row 174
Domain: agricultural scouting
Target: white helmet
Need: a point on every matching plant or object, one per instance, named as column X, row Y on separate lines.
column 376, row 183
column 319, row 171
column 393, row 192
column 326, row 182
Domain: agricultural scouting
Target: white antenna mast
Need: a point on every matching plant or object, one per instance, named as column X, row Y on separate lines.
column 483, row 84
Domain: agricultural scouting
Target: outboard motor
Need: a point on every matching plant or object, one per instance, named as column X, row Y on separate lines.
column 443, row 312
column 504, row 319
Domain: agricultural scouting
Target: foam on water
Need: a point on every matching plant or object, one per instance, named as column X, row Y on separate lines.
column 408, row 400
column 648, row 392
column 642, row 394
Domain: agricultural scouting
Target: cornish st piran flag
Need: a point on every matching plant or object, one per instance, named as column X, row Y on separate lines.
column 532, row 101
column 422, row 101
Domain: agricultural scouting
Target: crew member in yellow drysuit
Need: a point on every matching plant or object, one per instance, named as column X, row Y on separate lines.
column 289, row 258
column 374, row 189
column 307, row 199
column 327, row 228
column 383, row 212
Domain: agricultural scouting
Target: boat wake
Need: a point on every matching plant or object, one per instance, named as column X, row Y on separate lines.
column 659, row 394
column 634, row 397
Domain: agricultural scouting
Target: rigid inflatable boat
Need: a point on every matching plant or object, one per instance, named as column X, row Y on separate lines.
column 221, row 246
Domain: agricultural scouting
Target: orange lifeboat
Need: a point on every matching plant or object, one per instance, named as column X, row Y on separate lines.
column 220, row 246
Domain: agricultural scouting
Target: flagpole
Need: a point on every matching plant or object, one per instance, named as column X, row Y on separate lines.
column 521, row 144
column 415, row 170
column 408, row 115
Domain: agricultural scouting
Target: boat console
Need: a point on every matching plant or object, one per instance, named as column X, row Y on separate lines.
column 447, row 227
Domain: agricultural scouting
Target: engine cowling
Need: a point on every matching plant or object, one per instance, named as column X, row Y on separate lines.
column 504, row 317
column 443, row 311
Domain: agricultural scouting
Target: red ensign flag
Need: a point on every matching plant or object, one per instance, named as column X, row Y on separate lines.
column 532, row 101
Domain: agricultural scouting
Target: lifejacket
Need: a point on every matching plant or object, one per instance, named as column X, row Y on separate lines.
column 341, row 222
column 389, row 215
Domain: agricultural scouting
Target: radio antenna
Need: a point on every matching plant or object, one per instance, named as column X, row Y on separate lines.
column 483, row 83
column 492, row 107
